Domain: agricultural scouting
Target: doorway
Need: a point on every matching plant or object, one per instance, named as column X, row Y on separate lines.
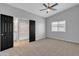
column 21, row 32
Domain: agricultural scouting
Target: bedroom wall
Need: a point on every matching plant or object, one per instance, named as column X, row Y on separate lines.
column 71, row 16
column 23, row 29
column 19, row 13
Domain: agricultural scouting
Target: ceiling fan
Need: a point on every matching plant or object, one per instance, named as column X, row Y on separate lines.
column 49, row 7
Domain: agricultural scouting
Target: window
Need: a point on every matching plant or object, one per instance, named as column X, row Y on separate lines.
column 54, row 26
column 58, row 26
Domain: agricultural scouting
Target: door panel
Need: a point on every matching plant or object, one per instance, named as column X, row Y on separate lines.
column 6, row 31
column 31, row 30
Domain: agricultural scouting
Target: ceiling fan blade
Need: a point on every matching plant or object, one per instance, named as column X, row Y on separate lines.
column 45, row 5
column 43, row 9
column 54, row 4
column 53, row 9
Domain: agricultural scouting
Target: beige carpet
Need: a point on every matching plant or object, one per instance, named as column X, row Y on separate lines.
column 45, row 47
column 21, row 42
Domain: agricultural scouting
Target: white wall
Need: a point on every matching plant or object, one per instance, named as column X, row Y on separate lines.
column 15, row 28
column 72, row 25
column 23, row 29
column 19, row 13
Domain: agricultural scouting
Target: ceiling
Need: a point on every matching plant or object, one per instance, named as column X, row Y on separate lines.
column 36, row 7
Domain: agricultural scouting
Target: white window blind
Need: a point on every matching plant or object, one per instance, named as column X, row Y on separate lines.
column 58, row 26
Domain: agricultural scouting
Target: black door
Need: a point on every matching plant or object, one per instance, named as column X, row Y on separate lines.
column 31, row 30
column 6, row 32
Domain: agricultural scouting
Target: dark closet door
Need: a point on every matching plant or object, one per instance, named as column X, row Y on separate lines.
column 6, row 32
column 31, row 30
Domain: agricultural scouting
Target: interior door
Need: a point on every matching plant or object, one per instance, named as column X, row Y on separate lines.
column 6, row 32
column 31, row 30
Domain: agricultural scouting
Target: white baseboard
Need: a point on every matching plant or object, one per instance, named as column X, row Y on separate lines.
column 75, row 42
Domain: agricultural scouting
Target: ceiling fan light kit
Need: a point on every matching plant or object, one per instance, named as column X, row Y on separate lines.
column 48, row 10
